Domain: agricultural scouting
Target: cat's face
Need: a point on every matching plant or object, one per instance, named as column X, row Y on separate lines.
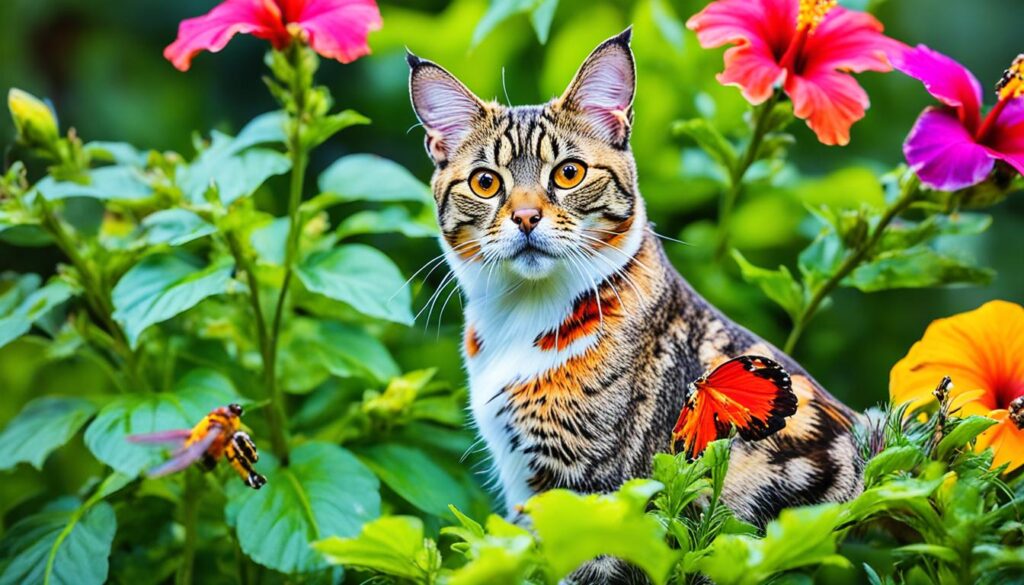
column 534, row 190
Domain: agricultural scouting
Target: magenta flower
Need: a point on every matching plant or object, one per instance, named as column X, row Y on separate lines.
column 336, row 29
column 951, row 146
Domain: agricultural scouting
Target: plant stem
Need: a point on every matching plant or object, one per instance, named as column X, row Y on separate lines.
column 300, row 158
column 906, row 197
column 728, row 201
column 96, row 295
column 190, row 516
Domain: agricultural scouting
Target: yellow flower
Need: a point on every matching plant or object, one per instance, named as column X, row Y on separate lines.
column 983, row 352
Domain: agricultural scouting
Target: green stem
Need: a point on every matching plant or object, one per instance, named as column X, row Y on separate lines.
column 906, row 197
column 96, row 295
column 190, row 517
column 728, row 201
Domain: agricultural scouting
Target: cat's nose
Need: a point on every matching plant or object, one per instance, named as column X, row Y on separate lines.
column 526, row 219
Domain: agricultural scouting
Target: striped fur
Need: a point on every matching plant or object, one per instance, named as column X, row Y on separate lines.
column 580, row 335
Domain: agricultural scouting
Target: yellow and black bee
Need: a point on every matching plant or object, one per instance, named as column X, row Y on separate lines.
column 217, row 435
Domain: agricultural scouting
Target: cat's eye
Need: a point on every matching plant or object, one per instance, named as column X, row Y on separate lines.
column 485, row 183
column 569, row 174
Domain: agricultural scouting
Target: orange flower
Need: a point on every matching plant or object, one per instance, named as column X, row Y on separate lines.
column 983, row 352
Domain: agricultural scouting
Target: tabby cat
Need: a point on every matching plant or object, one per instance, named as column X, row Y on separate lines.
column 580, row 336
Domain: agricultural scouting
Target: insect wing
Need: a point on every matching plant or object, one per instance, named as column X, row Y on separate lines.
column 752, row 393
column 187, row 456
column 175, row 436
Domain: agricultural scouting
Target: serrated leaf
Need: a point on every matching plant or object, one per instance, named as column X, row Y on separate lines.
column 393, row 219
column 574, row 528
column 194, row 396
column 392, row 545
column 915, row 268
column 65, row 544
column 324, row 491
column 963, row 433
column 362, row 277
column 162, row 286
column 32, row 308
column 414, row 476
column 115, row 183
column 367, row 177
column 704, row 133
column 175, row 227
column 44, row 425
column 778, row 285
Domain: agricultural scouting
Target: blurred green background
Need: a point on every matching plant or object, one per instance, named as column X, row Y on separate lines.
column 101, row 63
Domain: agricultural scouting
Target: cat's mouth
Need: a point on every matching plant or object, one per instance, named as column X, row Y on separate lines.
column 532, row 262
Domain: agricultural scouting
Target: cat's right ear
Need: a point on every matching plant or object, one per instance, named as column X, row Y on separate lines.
column 447, row 109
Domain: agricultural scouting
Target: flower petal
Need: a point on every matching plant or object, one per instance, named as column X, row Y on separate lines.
column 944, row 154
column 212, row 31
column 338, row 29
column 760, row 29
column 830, row 102
column 1007, row 139
column 948, row 81
column 849, row 41
column 1006, row 440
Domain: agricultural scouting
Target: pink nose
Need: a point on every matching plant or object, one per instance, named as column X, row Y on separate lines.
column 526, row 219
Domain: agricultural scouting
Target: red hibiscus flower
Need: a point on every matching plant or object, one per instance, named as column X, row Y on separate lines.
column 807, row 46
column 335, row 29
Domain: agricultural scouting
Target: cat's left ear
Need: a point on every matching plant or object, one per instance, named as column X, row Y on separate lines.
column 603, row 88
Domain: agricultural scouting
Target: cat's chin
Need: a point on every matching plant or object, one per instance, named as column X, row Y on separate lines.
column 533, row 264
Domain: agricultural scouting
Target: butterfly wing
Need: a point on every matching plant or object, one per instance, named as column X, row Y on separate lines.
column 175, row 436
column 187, row 456
column 752, row 393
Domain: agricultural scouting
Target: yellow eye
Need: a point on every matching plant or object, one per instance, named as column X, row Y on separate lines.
column 485, row 183
column 569, row 174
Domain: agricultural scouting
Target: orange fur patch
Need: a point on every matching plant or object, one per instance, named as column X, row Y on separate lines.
column 472, row 341
column 585, row 320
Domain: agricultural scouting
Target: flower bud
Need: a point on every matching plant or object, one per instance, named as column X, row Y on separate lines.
column 33, row 119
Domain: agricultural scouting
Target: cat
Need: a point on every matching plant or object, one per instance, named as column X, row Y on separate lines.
column 580, row 337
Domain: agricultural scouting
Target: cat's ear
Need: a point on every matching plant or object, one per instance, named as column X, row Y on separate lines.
column 446, row 107
column 602, row 90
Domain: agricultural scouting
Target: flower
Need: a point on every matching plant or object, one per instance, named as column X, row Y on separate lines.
column 983, row 352
column 336, row 29
column 951, row 146
column 34, row 120
column 807, row 46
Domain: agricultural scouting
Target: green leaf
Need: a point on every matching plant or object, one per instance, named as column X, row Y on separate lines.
column 116, row 183
column 800, row 537
column 392, row 545
column 392, row 219
column 367, row 177
column 892, row 460
column 541, row 13
column 574, row 529
column 415, row 477
column 907, row 234
column 778, row 285
column 64, row 544
column 44, row 425
column 362, row 277
column 162, row 286
column 324, row 491
column 323, row 128
column 964, row 432
column 199, row 392
column 943, row 553
column 34, row 307
column 120, row 153
column 915, row 268
column 263, row 129
column 505, row 554
column 704, row 133
column 818, row 261
column 175, row 227
column 312, row 349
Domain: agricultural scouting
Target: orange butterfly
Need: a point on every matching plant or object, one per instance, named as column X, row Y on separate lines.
column 752, row 393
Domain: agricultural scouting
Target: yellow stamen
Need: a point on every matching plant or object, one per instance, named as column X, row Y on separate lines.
column 813, row 12
column 1012, row 83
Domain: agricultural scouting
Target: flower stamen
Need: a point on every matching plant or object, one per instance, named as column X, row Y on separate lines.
column 812, row 13
column 1017, row 412
column 1012, row 83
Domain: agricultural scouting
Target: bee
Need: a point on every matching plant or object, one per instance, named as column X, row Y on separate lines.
column 217, row 435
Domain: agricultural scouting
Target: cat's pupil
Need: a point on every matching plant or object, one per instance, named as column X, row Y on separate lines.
column 485, row 181
column 569, row 172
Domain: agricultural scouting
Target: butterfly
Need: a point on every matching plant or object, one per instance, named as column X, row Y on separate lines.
column 752, row 393
column 217, row 435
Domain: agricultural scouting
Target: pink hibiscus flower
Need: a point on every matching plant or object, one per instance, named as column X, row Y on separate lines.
column 807, row 46
column 951, row 146
column 336, row 29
